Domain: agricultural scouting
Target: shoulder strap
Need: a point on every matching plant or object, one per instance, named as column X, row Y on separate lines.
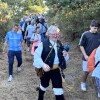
column 49, row 52
column 97, row 64
column 44, row 26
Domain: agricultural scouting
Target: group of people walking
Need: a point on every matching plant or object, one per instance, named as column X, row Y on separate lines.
column 49, row 54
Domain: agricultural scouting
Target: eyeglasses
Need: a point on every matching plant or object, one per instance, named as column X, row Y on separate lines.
column 55, row 34
column 95, row 28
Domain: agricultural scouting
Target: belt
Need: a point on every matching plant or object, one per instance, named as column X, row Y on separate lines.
column 55, row 66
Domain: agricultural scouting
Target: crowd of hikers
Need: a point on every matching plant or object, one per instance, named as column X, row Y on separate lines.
column 34, row 35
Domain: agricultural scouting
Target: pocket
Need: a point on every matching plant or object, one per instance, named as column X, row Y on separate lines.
column 39, row 72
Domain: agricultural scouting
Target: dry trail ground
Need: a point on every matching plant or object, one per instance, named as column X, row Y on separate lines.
column 24, row 84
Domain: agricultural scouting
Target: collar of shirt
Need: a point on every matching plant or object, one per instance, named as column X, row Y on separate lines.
column 56, row 60
column 13, row 31
column 52, row 42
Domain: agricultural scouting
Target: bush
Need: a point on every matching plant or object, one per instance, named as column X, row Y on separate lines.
column 73, row 20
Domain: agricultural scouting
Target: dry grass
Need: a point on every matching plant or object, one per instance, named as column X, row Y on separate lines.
column 23, row 85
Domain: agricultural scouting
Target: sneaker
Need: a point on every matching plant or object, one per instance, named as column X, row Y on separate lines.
column 10, row 78
column 98, row 95
column 19, row 69
column 83, row 86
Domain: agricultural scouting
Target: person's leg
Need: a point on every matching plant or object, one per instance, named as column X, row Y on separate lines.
column 57, row 84
column 41, row 92
column 59, row 97
column 28, row 44
column 44, row 84
column 19, row 59
column 10, row 61
column 98, row 85
column 84, row 76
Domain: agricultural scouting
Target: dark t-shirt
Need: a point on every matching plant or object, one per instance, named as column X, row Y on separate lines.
column 89, row 41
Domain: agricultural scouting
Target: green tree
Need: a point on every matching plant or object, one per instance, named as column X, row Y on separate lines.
column 12, row 10
column 73, row 16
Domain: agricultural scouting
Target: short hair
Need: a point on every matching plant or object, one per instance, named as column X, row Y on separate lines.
column 37, row 27
column 33, row 20
column 15, row 25
column 94, row 23
column 52, row 28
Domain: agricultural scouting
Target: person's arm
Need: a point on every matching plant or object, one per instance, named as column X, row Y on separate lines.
column 23, row 45
column 82, row 44
column 5, row 43
column 83, row 52
column 38, row 62
column 4, row 46
column 66, row 55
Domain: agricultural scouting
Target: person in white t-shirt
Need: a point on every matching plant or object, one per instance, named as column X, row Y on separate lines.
column 35, row 39
column 30, row 30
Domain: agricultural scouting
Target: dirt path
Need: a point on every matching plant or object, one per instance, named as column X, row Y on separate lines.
column 23, row 85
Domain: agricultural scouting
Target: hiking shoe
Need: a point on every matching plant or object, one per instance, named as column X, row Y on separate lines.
column 83, row 86
column 10, row 78
column 98, row 95
column 19, row 69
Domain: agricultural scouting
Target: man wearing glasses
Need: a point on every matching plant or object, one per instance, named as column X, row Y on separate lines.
column 51, row 57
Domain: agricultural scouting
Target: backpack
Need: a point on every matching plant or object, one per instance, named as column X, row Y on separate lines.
column 91, row 61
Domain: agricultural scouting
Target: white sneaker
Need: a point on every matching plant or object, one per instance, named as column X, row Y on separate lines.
column 83, row 86
column 98, row 95
column 19, row 69
column 10, row 78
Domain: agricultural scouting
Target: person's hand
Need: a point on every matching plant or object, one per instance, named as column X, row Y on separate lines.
column 65, row 53
column 86, row 57
column 46, row 68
